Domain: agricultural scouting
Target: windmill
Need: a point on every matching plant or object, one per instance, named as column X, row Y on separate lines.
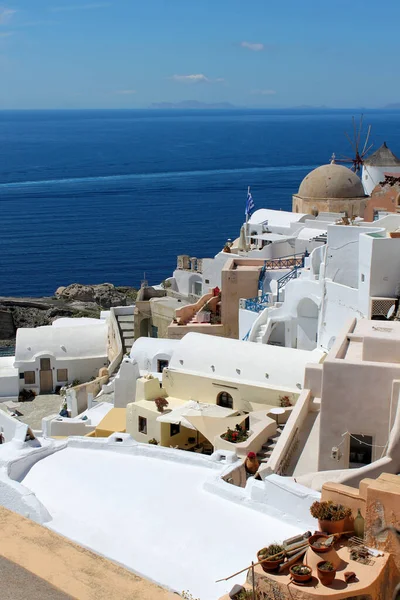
column 358, row 160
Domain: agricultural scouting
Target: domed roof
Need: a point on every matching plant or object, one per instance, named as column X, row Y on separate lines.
column 331, row 181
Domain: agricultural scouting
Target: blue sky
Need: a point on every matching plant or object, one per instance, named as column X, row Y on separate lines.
column 264, row 53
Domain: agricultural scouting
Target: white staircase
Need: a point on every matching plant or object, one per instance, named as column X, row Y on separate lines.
column 261, row 333
column 126, row 329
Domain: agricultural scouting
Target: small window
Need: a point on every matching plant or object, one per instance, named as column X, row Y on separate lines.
column 362, row 277
column 175, row 429
column 360, row 450
column 154, row 331
column 142, row 425
column 224, row 399
column 29, row 377
column 62, row 374
column 161, row 365
column 21, row 375
column 197, row 288
column 45, row 364
column 207, row 281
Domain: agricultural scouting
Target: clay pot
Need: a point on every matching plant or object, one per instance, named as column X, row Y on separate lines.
column 318, row 537
column 301, row 578
column 331, row 526
column 325, row 577
column 269, row 565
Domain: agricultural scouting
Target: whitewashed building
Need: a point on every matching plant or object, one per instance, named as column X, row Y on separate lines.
column 70, row 350
column 356, row 274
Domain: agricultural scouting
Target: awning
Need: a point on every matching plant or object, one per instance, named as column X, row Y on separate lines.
column 194, row 409
column 272, row 237
column 211, row 427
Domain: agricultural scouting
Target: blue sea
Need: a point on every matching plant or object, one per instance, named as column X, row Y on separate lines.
column 95, row 196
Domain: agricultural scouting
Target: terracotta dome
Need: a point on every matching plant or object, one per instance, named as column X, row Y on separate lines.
column 331, row 181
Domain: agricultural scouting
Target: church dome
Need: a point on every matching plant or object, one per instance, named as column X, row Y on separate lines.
column 331, row 181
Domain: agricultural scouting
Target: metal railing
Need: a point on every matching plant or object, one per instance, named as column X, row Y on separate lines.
column 257, row 304
column 293, row 274
column 286, row 262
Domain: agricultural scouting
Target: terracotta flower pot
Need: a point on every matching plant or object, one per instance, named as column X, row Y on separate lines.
column 301, row 578
column 319, row 537
column 325, row 577
column 331, row 526
column 269, row 565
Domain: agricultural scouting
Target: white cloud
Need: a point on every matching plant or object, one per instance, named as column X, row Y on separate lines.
column 90, row 6
column 125, row 92
column 6, row 14
column 199, row 78
column 252, row 46
column 264, row 92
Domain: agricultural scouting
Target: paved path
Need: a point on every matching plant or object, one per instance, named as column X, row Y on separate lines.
column 34, row 410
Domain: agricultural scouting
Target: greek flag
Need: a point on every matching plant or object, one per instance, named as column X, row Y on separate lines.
column 249, row 204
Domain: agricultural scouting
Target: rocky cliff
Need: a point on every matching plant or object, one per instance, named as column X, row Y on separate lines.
column 75, row 300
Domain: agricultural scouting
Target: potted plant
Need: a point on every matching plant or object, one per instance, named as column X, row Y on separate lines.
column 326, row 572
column 331, row 516
column 285, row 402
column 153, row 442
column 161, row 403
column 235, row 436
column 301, row 573
column 276, row 551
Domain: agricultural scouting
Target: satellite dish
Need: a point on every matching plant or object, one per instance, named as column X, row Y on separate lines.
column 391, row 312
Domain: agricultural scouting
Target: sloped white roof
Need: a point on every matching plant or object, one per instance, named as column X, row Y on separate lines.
column 278, row 218
column 145, row 349
column 65, row 343
column 246, row 362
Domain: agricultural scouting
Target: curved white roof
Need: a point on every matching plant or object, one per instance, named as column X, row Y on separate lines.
column 308, row 233
column 278, row 218
column 65, row 343
column 246, row 362
column 145, row 349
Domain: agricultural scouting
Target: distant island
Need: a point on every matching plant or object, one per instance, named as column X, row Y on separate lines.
column 393, row 106
column 192, row 104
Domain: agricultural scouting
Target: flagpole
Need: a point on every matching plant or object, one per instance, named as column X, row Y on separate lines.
column 247, row 217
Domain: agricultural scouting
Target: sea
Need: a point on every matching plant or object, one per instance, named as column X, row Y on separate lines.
column 115, row 195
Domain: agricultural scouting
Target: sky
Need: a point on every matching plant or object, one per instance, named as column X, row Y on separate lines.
column 250, row 53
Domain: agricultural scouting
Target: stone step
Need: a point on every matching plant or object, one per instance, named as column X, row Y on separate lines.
column 124, row 326
column 128, row 342
column 125, row 318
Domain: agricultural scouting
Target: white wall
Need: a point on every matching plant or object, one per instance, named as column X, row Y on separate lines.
column 212, row 268
column 125, row 383
column 246, row 320
column 385, row 265
column 185, row 281
column 11, row 428
column 9, row 378
column 82, row 369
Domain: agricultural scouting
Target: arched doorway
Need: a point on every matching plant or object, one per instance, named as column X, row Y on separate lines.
column 225, row 400
column 307, row 324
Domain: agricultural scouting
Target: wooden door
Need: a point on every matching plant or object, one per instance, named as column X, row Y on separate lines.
column 46, row 381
